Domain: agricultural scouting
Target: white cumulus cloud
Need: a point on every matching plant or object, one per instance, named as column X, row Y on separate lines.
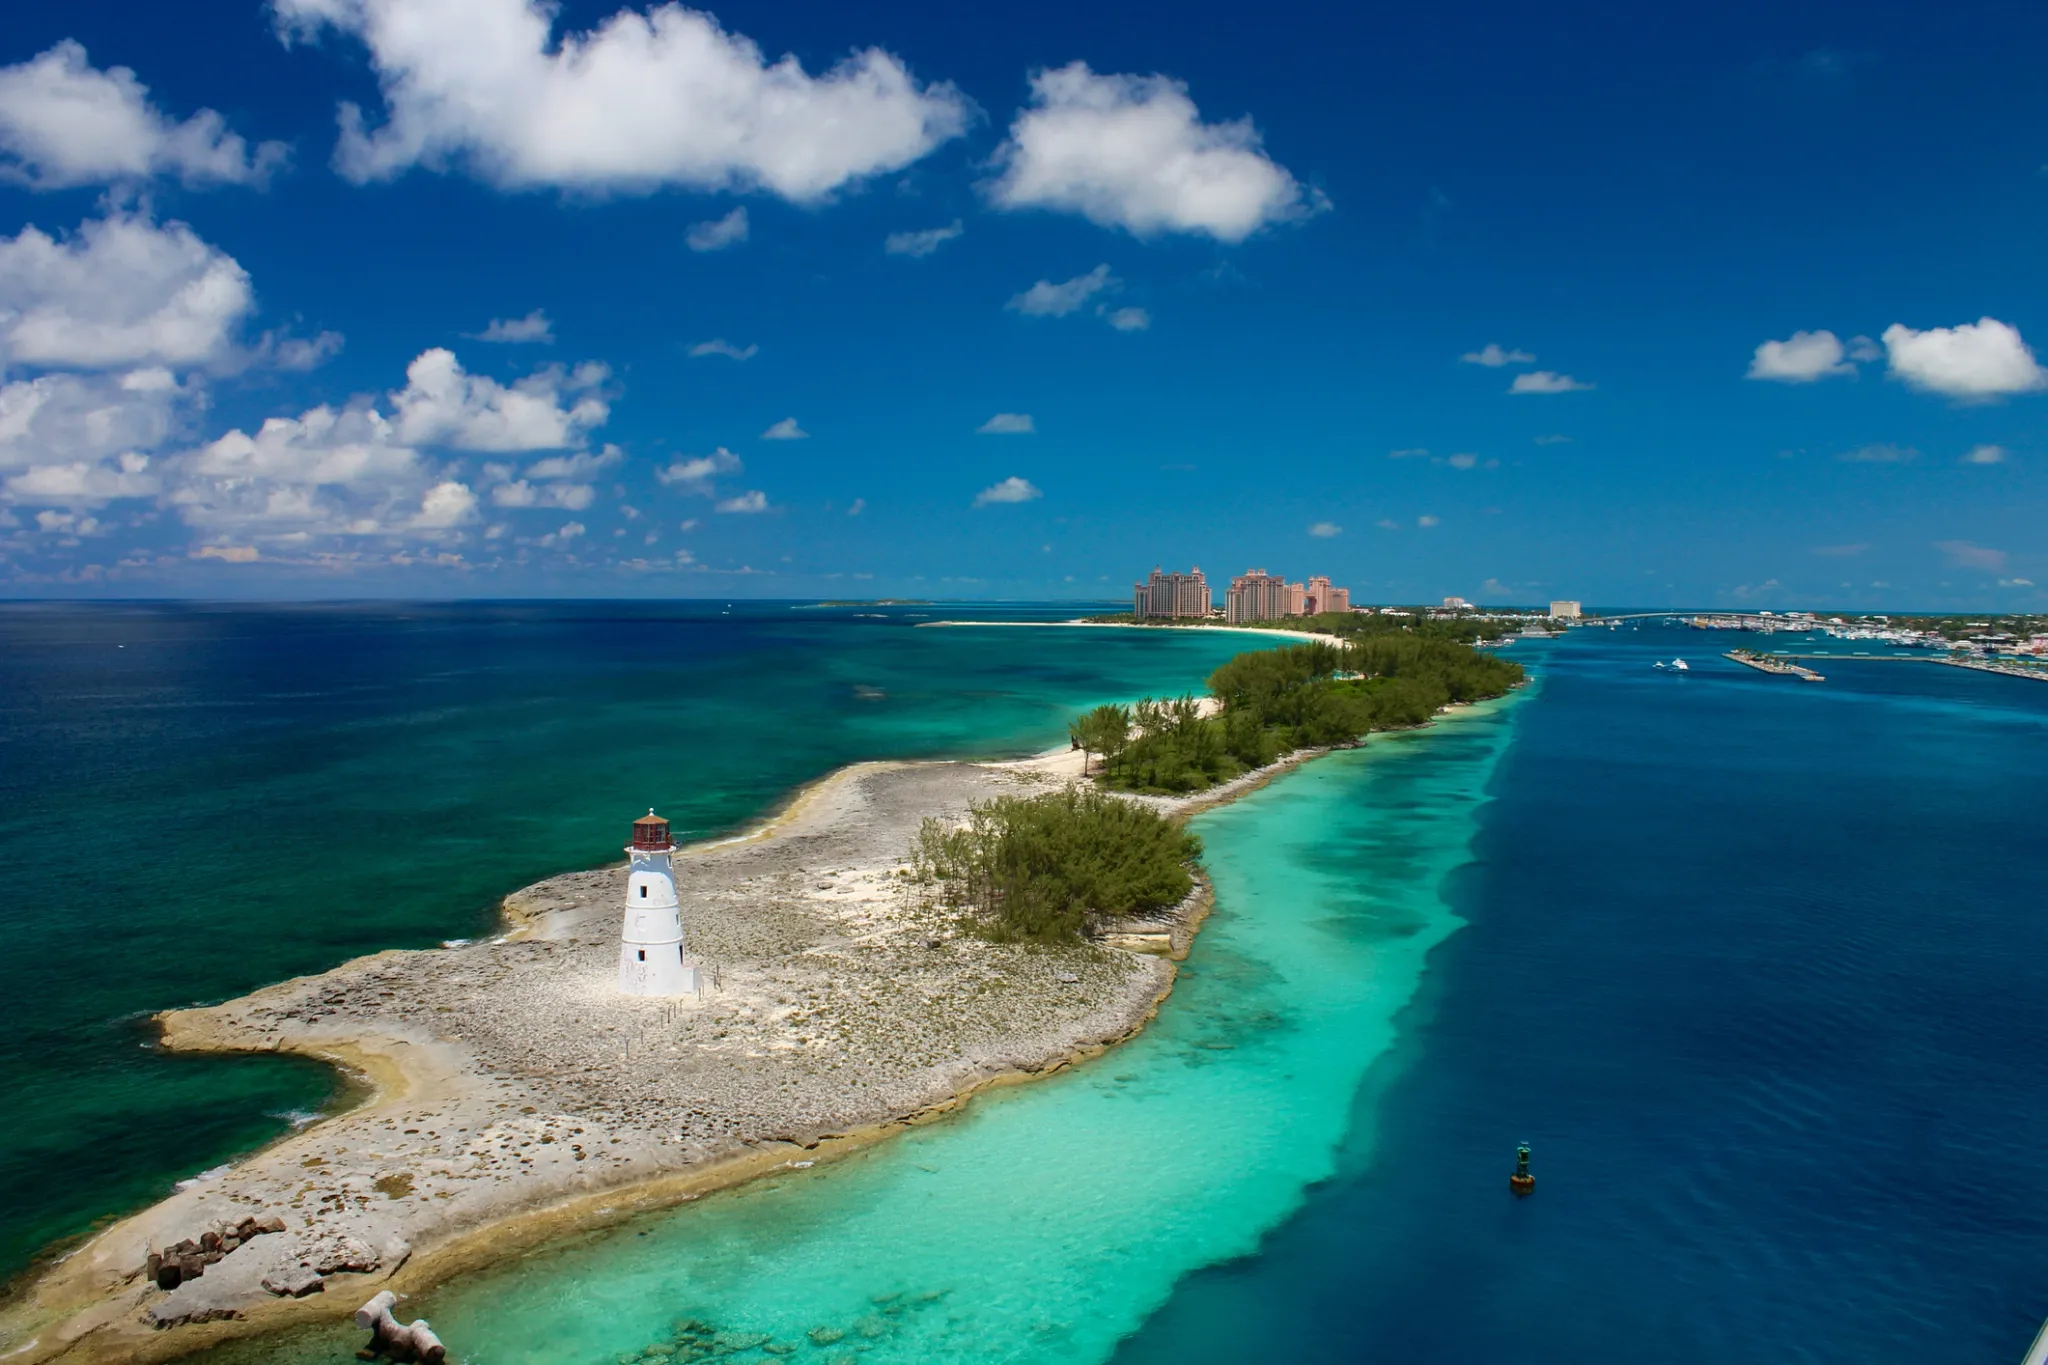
column 326, row 473
column 1128, row 319
column 693, row 474
column 444, row 404
column 1012, row 489
column 1801, row 358
column 1493, row 356
column 753, row 500
column 720, row 346
column 786, row 430
column 121, row 291
column 1325, row 529
column 1008, row 424
column 1981, row 359
column 1048, row 300
column 718, row 233
column 65, row 123
column 1132, row 152
column 1987, row 454
column 534, row 327
column 647, row 98
column 1547, row 381
column 921, row 243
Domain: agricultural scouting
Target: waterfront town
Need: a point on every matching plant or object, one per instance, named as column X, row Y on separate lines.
column 2010, row 644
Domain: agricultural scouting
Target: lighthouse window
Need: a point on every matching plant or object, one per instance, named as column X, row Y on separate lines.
column 643, row 893
column 643, row 954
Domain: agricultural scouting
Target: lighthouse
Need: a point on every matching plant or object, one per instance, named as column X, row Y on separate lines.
column 652, row 960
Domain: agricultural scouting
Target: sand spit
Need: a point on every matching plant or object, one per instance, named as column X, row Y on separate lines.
column 514, row 1095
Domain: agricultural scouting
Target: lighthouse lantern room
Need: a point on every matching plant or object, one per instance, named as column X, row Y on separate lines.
column 652, row 958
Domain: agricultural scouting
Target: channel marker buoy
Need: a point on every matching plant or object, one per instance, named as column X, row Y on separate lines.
column 1521, row 1182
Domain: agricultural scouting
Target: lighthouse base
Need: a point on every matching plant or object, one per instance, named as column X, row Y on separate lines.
column 659, row 969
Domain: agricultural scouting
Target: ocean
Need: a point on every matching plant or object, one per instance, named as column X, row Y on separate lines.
column 1755, row 966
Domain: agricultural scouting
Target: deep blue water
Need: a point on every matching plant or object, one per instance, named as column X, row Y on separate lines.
column 1760, row 969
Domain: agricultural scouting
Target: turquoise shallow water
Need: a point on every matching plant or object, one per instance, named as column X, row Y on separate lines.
column 1049, row 1220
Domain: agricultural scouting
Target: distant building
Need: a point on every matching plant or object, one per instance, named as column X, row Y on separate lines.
column 1256, row 596
column 1457, row 604
column 1321, row 595
column 1172, row 595
column 1564, row 611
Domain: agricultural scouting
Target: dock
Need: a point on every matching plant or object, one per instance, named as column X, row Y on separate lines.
column 1770, row 663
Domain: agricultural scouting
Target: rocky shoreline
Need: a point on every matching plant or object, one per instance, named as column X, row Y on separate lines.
column 514, row 1094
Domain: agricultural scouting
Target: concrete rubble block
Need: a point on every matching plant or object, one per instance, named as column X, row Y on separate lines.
column 294, row 1282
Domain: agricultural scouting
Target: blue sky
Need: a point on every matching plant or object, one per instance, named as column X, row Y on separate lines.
column 449, row 297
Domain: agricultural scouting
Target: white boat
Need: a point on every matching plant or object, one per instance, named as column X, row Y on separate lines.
column 1681, row 665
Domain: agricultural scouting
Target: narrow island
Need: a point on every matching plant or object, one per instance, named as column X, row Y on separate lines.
column 900, row 936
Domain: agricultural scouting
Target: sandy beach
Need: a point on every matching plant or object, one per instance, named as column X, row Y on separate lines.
column 512, row 1094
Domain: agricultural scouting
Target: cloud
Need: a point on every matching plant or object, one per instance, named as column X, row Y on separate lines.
column 523, row 493
column 693, row 475
column 447, row 504
column 1841, row 551
column 718, row 233
column 1981, row 359
column 1800, row 359
column 583, row 464
column 326, row 473
column 63, row 123
column 568, row 531
column 859, row 506
column 2015, row 582
column 1048, row 300
column 1987, row 454
column 786, row 430
column 1880, row 453
column 296, row 353
column 1426, row 520
column 1409, row 453
column 720, row 346
column 1388, row 524
column 1553, row 440
column 227, row 554
column 88, row 420
column 1132, row 152
column 1008, row 424
column 1863, row 350
column 443, row 404
column 1462, row 460
column 648, row 98
column 753, row 500
column 1492, row 356
column 1546, row 381
column 1964, row 555
column 119, row 292
column 1128, row 319
column 1325, row 529
column 921, row 243
column 1012, row 489
column 534, row 327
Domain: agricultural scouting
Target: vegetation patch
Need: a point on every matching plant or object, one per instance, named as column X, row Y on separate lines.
column 1052, row 868
column 1271, row 702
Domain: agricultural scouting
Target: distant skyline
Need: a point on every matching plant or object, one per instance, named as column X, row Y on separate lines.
column 464, row 298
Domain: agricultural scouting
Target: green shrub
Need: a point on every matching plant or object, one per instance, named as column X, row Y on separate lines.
column 1045, row 869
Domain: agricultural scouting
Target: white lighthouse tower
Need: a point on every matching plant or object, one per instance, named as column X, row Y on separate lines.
column 652, row 960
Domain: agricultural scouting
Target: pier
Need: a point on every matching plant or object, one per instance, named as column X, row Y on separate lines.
column 1774, row 663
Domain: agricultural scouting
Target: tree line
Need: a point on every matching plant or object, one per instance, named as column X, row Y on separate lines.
column 1270, row 702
